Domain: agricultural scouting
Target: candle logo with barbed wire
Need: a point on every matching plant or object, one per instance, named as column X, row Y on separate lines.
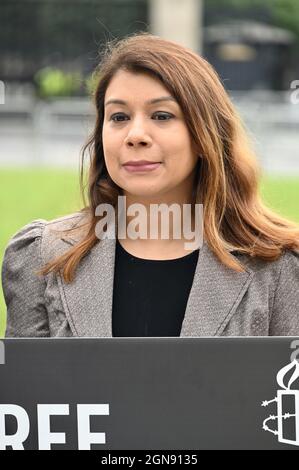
column 287, row 401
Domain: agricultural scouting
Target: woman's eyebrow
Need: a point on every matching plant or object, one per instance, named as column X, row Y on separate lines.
column 153, row 101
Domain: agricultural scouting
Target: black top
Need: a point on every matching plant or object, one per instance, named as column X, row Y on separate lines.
column 150, row 296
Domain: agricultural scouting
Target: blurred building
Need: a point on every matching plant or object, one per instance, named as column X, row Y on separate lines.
column 249, row 55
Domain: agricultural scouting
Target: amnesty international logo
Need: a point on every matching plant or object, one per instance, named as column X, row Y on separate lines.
column 287, row 401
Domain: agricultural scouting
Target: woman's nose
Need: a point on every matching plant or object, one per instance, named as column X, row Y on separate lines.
column 137, row 135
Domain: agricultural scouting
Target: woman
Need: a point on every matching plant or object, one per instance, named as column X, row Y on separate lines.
column 159, row 102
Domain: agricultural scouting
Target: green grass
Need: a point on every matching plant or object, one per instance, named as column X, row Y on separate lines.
column 282, row 195
column 28, row 194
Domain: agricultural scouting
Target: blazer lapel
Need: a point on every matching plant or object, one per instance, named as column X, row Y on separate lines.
column 88, row 299
column 214, row 297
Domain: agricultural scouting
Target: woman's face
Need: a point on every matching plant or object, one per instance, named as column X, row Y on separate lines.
column 143, row 126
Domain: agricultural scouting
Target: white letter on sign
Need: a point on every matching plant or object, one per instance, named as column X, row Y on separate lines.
column 85, row 437
column 45, row 437
column 14, row 440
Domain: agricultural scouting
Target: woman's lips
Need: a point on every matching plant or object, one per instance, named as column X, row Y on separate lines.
column 142, row 168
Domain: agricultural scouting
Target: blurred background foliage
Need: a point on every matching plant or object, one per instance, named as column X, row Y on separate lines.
column 54, row 82
column 282, row 13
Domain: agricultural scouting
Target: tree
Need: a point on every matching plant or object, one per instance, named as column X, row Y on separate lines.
column 282, row 13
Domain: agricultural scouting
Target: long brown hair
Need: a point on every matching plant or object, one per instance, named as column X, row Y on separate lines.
column 227, row 180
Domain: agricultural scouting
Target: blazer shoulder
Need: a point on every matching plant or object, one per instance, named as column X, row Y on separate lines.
column 24, row 237
column 287, row 257
column 42, row 228
column 272, row 273
column 285, row 306
column 63, row 232
column 289, row 268
column 46, row 236
column 68, row 227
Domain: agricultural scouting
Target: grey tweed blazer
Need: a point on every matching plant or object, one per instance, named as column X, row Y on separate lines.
column 262, row 301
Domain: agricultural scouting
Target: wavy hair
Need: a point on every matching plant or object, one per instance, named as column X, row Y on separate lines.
column 227, row 177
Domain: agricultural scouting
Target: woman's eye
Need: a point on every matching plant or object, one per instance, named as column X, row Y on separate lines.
column 165, row 117
column 114, row 116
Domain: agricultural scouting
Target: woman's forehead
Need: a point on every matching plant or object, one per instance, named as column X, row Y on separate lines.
column 124, row 80
column 124, row 90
